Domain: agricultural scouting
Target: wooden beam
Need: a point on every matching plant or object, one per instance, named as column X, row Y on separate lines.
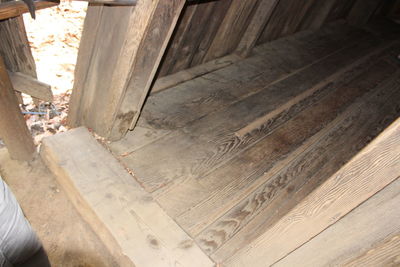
column 371, row 170
column 256, row 27
column 28, row 85
column 111, row 105
column 127, row 219
column 362, row 11
column 17, row 8
column 13, row 129
column 189, row 74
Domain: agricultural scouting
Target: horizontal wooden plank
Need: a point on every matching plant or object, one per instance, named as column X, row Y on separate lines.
column 356, row 233
column 370, row 171
column 126, row 218
column 16, row 8
column 28, row 85
column 191, row 73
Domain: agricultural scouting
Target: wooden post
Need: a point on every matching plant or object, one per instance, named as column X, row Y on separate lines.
column 115, row 73
column 13, row 129
column 256, row 27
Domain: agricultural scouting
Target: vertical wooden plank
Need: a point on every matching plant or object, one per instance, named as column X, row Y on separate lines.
column 362, row 11
column 317, row 15
column 117, row 80
column 232, row 28
column 256, row 26
column 13, row 129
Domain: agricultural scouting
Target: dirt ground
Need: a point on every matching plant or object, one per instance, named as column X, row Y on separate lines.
column 68, row 240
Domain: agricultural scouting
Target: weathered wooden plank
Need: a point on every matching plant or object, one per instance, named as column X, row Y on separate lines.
column 192, row 73
column 362, row 11
column 16, row 8
column 117, row 83
column 232, row 28
column 285, row 19
column 365, row 175
column 84, row 61
column 317, row 15
column 383, row 254
column 256, row 26
column 13, row 129
column 281, row 192
column 235, row 179
column 126, row 218
column 211, row 138
column 356, row 233
column 276, row 61
column 28, row 85
column 340, row 10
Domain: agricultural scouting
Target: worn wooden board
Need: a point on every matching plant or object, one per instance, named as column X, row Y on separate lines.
column 127, row 218
column 365, row 175
column 281, row 192
column 212, row 139
column 28, row 85
column 17, row 8
column 359, row 231
column 362, row 11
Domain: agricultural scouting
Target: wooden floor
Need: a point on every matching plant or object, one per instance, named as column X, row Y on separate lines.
column 227, row 154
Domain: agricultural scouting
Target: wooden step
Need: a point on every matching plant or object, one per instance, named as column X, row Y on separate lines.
column 127, row 219
column 211, row 140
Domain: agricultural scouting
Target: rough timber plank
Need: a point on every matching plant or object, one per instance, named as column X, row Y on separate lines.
column 359, row 231
column 195, row 99
column 28, row 85
column 211, row 139
column 365, row 175
column 232, row 28
column 256, row 26
column 235, row 179
column 126, row 218
column 282, row 191
column 383, row 254
column 16, row 8
column 13, row 129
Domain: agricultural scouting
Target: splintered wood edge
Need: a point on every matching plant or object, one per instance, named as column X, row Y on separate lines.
column 131, row 224
column 367, row 173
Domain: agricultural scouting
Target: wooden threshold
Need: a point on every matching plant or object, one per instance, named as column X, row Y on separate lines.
column 130, row 223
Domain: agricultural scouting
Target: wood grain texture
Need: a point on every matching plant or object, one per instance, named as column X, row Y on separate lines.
column 235, row 179
column 13, row 129
column 125, row 217
column 258, row 21
column 278, row 191
column 28, row 85
column 366, row 174
column 232, row 28
column 373, row 222
column 340, row 10
column 385, row 254
column 212, row 137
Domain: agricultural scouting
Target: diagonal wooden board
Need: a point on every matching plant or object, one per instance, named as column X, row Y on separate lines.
column 126, row 218
column 366, row 174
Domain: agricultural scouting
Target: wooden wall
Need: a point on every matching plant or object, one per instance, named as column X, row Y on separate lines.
column 212, row 29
